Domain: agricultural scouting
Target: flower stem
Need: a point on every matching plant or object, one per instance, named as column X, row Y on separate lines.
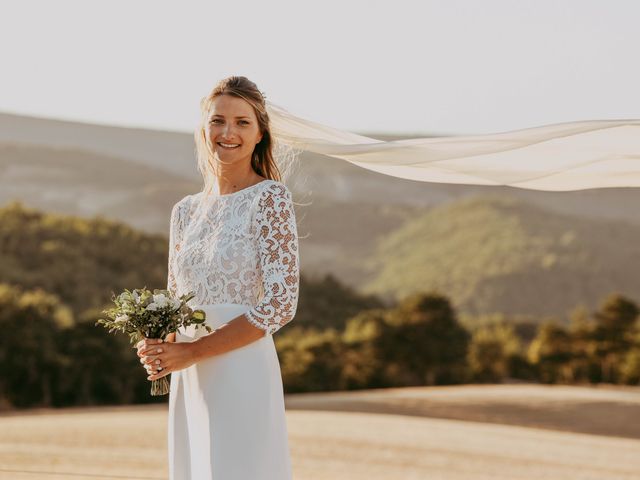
column 160, row 386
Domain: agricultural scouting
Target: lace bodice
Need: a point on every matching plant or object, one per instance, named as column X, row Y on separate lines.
column 238, row 248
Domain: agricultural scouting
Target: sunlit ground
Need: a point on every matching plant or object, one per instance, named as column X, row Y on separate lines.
column 480, row 432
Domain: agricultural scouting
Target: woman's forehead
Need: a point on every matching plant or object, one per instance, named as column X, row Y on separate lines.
column 228, row 106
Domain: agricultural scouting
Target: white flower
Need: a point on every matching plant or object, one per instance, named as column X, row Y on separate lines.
column 175, row 303
column 160, row 300
column 152, row 306
column 122, row 318
column 136, row 297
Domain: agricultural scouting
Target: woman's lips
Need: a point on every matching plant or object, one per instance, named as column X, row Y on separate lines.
column 225, row 146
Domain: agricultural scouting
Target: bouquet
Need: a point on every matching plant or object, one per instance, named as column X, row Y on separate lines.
column 142, row 313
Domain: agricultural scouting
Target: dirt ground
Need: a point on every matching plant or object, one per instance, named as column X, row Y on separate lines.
column 475, row 432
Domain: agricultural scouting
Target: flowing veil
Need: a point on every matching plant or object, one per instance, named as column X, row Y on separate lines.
column 559, row 157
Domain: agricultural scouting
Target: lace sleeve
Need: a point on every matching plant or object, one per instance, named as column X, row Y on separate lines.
column 175, row 226
column 277, row 240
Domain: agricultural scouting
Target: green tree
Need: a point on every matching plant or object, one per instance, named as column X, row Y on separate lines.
column 426, row 345
column 584, row 364
column 493, row 352
column 630, row 368
column 616, row 323
column 29, row 357
column 363, row 362
column 310, row 360
column 551, row 353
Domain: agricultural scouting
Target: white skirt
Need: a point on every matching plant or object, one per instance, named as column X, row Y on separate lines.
column 226, row 413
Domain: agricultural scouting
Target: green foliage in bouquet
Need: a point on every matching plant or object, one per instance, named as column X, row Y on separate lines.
column 142, row 313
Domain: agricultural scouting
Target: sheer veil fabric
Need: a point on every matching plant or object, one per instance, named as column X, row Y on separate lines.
column 559, row 157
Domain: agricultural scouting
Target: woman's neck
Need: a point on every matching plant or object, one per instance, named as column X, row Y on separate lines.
column 232, row 183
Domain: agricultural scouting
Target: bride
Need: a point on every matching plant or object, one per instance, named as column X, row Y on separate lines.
column 235, row 245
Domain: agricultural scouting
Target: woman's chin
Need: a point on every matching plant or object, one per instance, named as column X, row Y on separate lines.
column 225, row 152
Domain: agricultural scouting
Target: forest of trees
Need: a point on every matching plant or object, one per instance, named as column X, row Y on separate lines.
column 57, row 274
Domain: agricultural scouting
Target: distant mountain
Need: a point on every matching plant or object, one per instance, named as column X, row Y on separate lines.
column 136, row 175
column 169, row 151
column 499, row 254
column 173, row 153
column 70, row 181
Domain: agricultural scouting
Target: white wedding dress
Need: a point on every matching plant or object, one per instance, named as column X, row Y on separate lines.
column 239, row 254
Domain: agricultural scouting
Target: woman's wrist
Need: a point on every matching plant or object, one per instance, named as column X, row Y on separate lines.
column 201, row 347
column 194, row 350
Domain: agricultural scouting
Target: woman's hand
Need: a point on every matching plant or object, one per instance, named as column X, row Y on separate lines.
column 170, row 356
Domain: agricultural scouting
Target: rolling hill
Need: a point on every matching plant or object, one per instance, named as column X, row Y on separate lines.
column 501, row 254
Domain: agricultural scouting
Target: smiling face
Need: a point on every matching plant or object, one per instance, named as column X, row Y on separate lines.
column 232, row 129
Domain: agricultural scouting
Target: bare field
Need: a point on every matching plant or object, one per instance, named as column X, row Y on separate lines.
column 476, row 432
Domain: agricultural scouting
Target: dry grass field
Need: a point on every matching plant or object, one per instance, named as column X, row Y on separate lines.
column 475, row 432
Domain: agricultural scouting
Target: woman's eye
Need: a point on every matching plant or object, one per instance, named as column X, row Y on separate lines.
column 216, row 120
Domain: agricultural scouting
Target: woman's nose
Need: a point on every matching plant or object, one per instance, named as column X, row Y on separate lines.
column 227, row 132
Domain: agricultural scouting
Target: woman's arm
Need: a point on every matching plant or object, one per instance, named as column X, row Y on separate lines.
column 234, row 334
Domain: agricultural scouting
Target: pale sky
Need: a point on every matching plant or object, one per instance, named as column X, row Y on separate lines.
column 397, row 66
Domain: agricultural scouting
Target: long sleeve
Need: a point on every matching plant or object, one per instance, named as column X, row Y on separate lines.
column 174, row 246
column 277, row 240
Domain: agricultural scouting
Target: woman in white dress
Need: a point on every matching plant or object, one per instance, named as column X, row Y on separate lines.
column 235, row 245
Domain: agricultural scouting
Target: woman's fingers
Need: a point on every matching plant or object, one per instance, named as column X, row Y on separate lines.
column 151, row 369
column 147, row 345
column 150, row 359
column 154, row 368
column 151, row 351
column 158, row 374
column 152, row 365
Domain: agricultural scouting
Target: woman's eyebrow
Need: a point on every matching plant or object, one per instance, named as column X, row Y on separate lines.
column 218, row 115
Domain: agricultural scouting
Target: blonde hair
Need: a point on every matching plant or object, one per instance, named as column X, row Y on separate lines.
column 263, row 160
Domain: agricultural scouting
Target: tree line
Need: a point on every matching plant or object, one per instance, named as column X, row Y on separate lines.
column 48, row 357
column 57, row 273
